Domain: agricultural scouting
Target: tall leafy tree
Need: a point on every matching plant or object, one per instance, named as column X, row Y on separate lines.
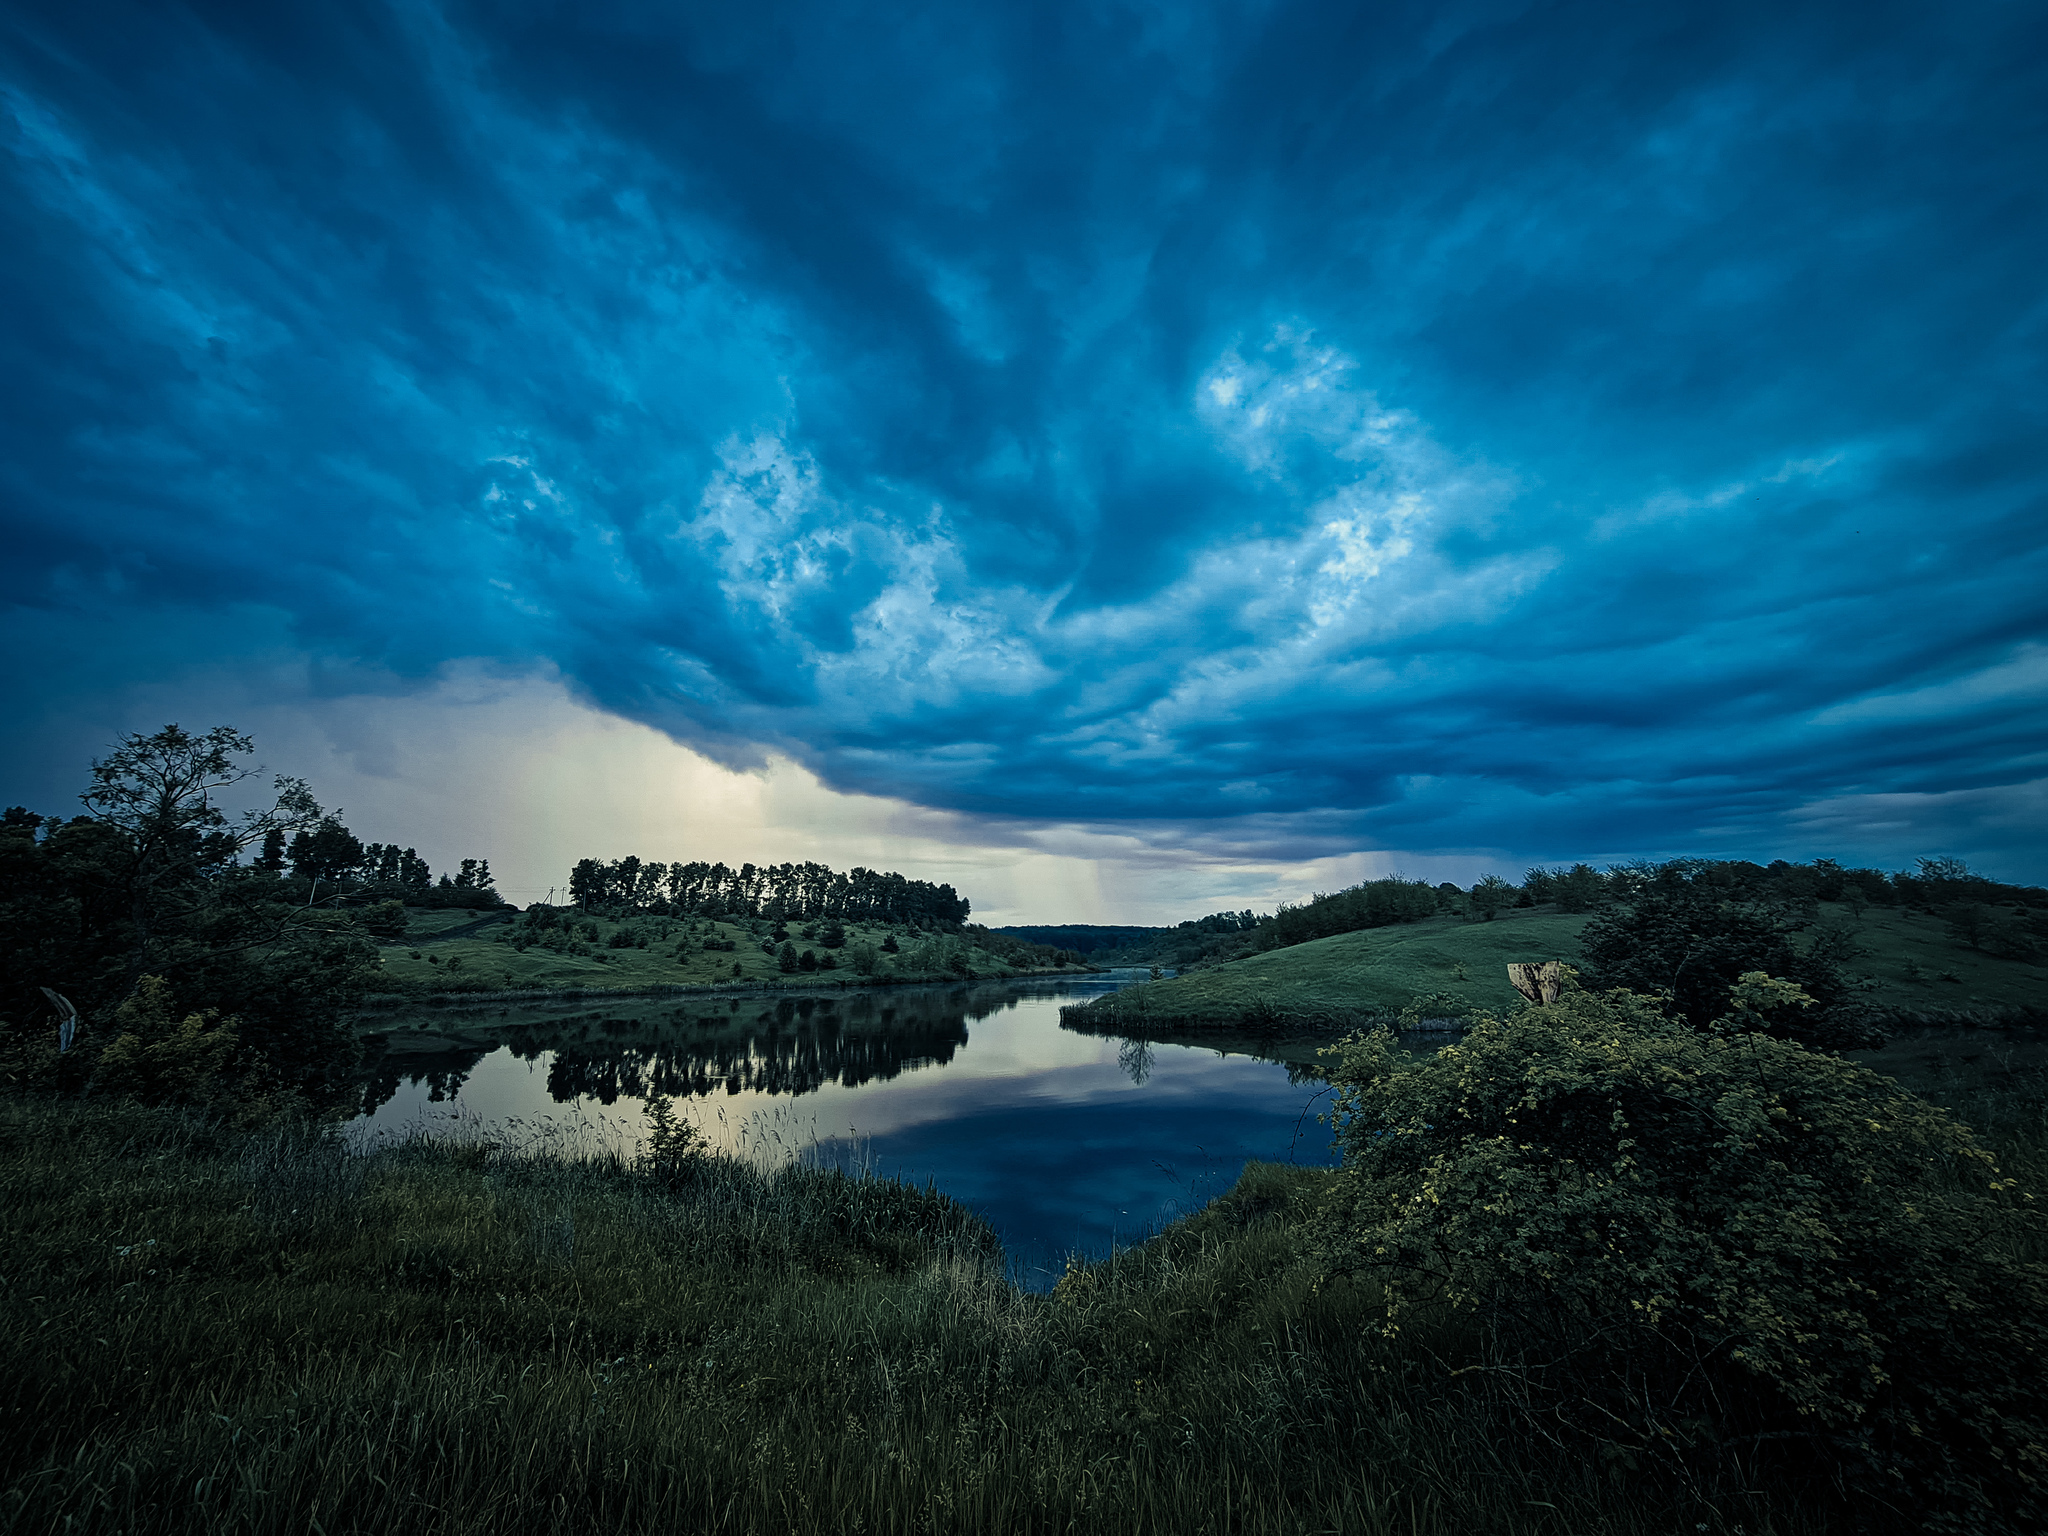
column 1490, row 895
column 148, row 885
column 328, row 853
column 1681, row 939
column 159, row 795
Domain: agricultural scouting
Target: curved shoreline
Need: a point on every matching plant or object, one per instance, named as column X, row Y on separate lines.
column 394, row 1002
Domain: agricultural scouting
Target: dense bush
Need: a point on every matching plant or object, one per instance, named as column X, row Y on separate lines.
column 1686, row 942
column 1721, row 1251
column 1373, row 904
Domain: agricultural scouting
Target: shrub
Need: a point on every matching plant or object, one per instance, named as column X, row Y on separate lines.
column 385, row 919
column 157, row 1058
column 1687, row 944
column 1373, row 904
column 674, row 1146
column 1712, row 1249
column 1490, row 895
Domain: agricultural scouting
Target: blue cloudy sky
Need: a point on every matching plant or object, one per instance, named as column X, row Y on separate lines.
column 1240, row 438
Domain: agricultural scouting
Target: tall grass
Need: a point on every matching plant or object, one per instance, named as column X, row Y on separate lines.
column 224, row 1333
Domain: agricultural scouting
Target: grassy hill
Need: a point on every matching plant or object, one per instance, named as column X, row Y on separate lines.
column 463, row 951
column 1908, row 957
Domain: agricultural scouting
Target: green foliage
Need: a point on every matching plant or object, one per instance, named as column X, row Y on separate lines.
column 156, row 1058
column 1490, row 895
column 158, row 790
column 775, row 891
column 1684, row 941
column 1720, row 1250
column 147, row 886
column 386, row 919
column 204, row 1332
column 1580, row 889
column 1371, row 904
column 674, row 1146
column 326, row 853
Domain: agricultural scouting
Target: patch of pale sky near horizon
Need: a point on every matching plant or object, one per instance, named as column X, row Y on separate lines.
column 515, row 769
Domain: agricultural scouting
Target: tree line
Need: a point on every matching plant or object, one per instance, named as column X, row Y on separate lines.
column 327, row 855
column 210, row 958
column 778, row 892
column 1943, row 885
column 1692, row 897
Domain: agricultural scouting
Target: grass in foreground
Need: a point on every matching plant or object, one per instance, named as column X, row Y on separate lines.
column 227, row 1334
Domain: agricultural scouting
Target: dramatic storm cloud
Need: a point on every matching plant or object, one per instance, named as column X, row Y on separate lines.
column 1550, row 430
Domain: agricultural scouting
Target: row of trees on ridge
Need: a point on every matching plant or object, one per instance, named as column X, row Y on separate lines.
column 779, row 892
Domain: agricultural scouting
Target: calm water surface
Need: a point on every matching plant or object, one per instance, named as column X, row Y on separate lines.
column 1063, row 1141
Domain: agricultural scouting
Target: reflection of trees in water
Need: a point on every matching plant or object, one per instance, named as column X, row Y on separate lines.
column 1134, row 1058
column 444, row 1073
column 1134, row 1054
column 795, row 1046
column 787, row 1046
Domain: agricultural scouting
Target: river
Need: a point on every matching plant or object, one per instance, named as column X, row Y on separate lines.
column 1064, row 1142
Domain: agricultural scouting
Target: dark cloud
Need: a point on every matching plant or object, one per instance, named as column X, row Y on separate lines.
column 1552, row 428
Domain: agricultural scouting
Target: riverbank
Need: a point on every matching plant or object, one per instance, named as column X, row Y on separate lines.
column 409, row 1035
column 273, row 1331
column 209, row 1332
column 544, row 949
column 486, row 996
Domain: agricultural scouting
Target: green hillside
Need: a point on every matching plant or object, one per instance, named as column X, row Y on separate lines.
column 1908, row 957
column 463, row 951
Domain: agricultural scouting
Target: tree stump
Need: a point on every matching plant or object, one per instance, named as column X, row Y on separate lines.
column 1538, row 982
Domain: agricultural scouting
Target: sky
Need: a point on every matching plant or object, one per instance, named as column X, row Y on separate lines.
column 1129, row 460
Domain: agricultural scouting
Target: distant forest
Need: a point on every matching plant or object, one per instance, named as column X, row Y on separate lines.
column 1108, row 938
column 778, row 892
column 2001, row 919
